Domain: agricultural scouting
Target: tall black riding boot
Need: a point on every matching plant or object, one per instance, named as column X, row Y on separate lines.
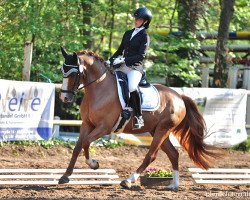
column 135, row 100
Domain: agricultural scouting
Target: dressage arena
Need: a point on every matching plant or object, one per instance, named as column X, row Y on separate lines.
column 124, row 160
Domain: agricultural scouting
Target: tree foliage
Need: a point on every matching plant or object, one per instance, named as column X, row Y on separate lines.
column 99, row 25
column 175, row 58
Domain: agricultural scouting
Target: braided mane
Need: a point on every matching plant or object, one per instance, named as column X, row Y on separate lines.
column 91, row 53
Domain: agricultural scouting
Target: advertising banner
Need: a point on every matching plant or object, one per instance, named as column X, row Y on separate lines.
column 224, row 111
column 26, row 110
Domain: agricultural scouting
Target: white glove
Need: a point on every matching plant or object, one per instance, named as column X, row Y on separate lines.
column 118, row 60
column 107, row 62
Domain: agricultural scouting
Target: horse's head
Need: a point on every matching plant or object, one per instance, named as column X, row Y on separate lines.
column 84, row 67
column 71, row 76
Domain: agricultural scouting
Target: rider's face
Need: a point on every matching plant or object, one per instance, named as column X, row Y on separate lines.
column 138, row 22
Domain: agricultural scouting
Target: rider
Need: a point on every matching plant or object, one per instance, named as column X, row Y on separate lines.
column 133, row 47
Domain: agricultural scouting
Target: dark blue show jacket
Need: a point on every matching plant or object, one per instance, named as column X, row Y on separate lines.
column 134, row 50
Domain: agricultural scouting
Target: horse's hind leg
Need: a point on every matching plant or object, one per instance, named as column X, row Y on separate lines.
column 159, row 136
column 173, row 156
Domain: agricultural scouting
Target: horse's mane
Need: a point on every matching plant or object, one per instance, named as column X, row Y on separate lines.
column 91, row 53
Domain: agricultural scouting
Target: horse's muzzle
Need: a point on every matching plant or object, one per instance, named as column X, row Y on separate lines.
column 66, row 97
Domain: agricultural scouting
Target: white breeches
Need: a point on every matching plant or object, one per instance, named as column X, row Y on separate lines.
column 133, row 75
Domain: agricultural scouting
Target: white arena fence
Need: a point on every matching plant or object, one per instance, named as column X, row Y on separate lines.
column 51, row 177
column 221, row 176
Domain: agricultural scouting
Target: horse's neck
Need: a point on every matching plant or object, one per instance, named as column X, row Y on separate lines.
column 94, row 77
column 105, row 81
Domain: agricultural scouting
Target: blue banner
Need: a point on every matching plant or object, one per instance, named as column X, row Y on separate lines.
column 26, row 110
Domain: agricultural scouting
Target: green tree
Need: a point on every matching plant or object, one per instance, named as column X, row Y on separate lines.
column 221, row 61
column 172, row 62
column 189, row 13
column 99, row 25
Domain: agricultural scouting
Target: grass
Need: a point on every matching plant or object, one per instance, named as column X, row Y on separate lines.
column 46, row 144
column 110, row 143
column 244, row 146
column 53, row 142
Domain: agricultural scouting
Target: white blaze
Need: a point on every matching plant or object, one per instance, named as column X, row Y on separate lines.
column 64, row 87
column 81, row 68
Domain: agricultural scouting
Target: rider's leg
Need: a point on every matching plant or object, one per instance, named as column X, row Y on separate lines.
column 136, row 104
column 134, row 78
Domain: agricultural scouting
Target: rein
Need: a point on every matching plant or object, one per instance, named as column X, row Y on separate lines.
column 96, row 80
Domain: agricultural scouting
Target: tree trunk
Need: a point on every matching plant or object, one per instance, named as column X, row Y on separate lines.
column 86, row 22
column 102, row 40
column 188, row 14
column 111, row 24
column 221, row 62
column 172, row 16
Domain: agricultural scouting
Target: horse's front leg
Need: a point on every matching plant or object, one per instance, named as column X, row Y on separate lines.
column 84, row 131
column 98, row 132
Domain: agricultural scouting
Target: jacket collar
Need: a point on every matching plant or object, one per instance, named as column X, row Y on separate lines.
column 136, row 35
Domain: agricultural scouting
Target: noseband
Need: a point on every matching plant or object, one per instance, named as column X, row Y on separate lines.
column 74, row 69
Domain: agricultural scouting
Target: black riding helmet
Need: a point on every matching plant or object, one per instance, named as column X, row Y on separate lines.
column 145, row 14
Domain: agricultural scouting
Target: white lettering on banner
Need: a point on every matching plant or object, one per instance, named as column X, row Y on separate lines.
column 12, row 103
column 224, row 111
column 26, row 110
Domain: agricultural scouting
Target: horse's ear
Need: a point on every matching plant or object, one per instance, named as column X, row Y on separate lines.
column 64, row 53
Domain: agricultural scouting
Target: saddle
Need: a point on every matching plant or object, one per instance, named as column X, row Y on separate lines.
column 123, row 81
column 149, row 96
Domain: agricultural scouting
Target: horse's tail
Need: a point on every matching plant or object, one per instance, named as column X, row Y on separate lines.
column 190, row 133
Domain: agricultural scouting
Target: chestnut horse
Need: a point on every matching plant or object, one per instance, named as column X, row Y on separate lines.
column 177, row 114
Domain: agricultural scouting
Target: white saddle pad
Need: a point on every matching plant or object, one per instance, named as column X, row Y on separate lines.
column 150, row 96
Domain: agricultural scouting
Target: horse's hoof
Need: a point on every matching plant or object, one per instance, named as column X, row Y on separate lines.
column 63, row 180
column 125, row 184
column 96, row 166
column 173, row 187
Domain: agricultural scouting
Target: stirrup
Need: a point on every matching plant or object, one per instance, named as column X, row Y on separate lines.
column 139, row 122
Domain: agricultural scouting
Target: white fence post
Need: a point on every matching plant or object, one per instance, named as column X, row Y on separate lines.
column 204, row 77
column 27, row 61
column 232, row 77
column 246, row 78
column 56, row 128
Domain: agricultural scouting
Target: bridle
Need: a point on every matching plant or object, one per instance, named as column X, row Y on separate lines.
column 75, row 69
